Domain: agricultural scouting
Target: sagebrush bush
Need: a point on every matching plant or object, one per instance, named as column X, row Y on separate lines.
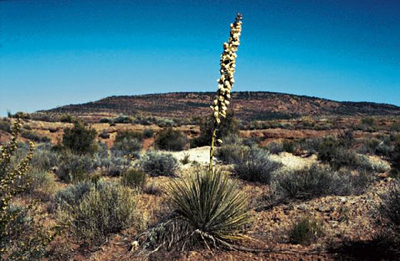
column 231, row 153
column 275, row 147
column 72, row 195
column 105, row 210
column 114, row 165
column 134, row 179
column 44, row 158
column 129, row 134
column 305, row 231
column 74, row 168
column 158, row 164
column 317, row 181
column 127, row 146
column 170, row 139
column 41, row 184
column 79, row 139
column 148, row 133
column 255, row 166
column 27, row 134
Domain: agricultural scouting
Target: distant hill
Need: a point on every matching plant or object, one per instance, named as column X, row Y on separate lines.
column 247, row 105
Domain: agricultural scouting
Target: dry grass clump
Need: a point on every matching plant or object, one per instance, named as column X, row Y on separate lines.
column 170, row 139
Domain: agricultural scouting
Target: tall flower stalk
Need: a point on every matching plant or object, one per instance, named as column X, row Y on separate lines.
column 225, row 82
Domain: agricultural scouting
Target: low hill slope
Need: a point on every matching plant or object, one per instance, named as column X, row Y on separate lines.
column 247, row 105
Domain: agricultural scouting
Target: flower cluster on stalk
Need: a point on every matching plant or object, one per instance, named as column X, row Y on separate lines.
column 228, row 64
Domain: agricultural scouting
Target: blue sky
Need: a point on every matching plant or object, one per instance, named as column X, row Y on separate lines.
column 54, row 53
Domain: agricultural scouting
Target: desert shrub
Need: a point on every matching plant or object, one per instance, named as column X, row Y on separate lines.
column 26, row 240
column 317, row 181
column 104, row 135
column 170, row 139
column 231, row 153
column 33, row 136
column 209, row 205
column 148, row 133
column 305, row 231
column 44, row 158
column 113, row 166
column 79, row 139
column 128, row 134
column 105, row 120
column 105, row 210
column 40, row 184
column 368, row 121
column 20, row 236
column 5, row 126
column 66, row 118
column 288, row 146
column 275, row 147
column 123, row 119
column 72, row 195
column 228, row 126
column 395, row 126
column 133, row 178
column 337, row 156
column 256, row 166
column 127, row 146
column 390, row 207
column 73, row 168
column 27, row 127
column 158, row 164
column 310, row 145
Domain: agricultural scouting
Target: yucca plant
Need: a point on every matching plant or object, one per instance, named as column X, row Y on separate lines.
column 211, row 203
column 208, row 206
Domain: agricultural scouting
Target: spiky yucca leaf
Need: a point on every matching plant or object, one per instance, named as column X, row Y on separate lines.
column 211, row 203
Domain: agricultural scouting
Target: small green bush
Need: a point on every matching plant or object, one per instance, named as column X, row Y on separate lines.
column 158, row 164
column 33, row 136
column 231, row 153
column 67, row 118
column 275, row 147
column 104, row 135
column 255, row 166
column 123, row 119
column 72, row 195
column 148, row 133
column 80, row 139
column 74, row 168
column 44, row 158
column 128, row 134
column 305, row 231
column 170, row 139
column 127, row 146
column 105, row 210
column 5, row 126
column 113, row 166
column 134, row 179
